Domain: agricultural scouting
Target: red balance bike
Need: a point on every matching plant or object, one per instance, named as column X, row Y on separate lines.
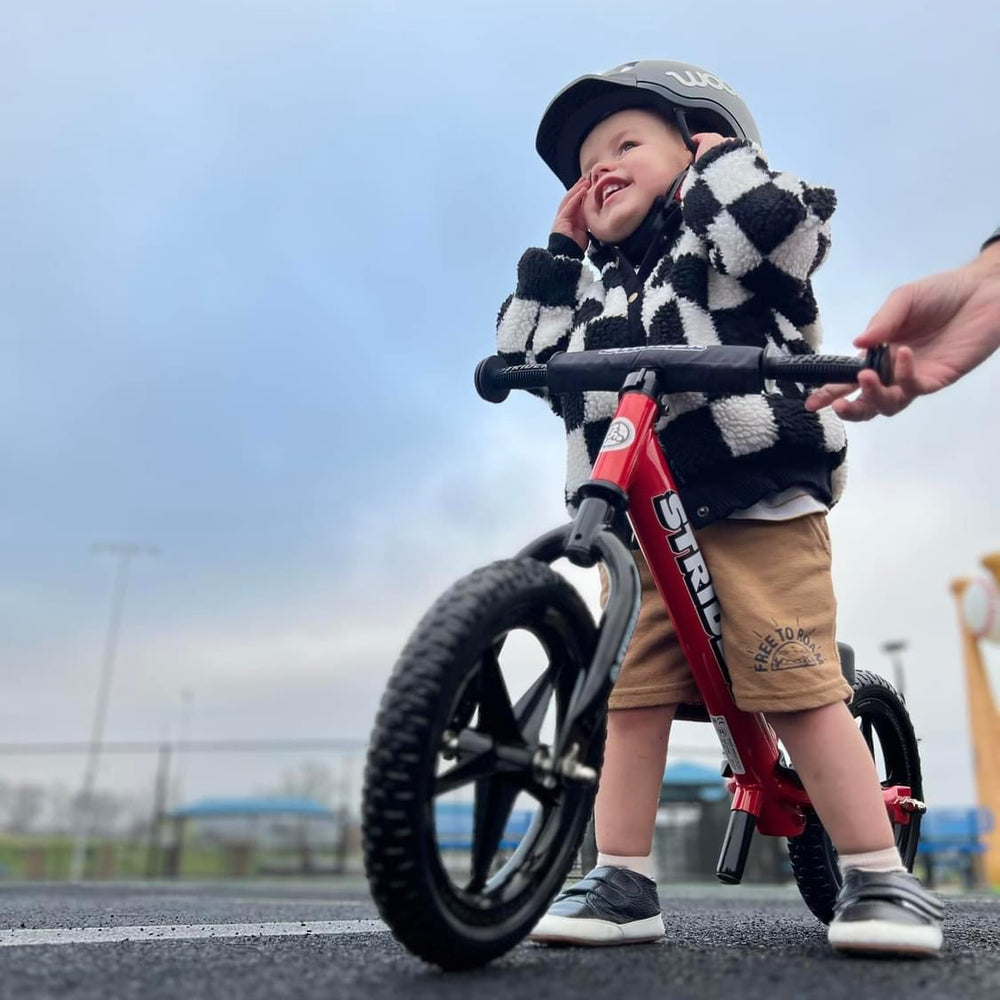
column 485, row 757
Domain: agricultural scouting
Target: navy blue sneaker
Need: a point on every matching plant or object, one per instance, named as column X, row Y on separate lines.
column 607, row 906
column 887, row 913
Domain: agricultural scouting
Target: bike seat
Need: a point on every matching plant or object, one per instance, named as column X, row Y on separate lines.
column 692, row 713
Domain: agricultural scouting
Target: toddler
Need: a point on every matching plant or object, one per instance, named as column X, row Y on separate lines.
column 696, row 240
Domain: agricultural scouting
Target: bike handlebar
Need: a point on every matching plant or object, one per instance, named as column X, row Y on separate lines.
column 682, row 368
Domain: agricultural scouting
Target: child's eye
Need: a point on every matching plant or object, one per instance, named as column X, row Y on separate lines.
column 627, row 145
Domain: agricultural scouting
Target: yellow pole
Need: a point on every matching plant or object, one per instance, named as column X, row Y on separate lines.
column 984, row 719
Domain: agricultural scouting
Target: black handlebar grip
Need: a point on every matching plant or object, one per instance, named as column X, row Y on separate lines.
column 494, row 379
column 880, row 360
column 817, row 369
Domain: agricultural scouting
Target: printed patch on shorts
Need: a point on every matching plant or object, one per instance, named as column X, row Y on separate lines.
column 786, row 648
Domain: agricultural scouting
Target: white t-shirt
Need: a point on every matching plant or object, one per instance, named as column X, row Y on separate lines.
column 784, row 506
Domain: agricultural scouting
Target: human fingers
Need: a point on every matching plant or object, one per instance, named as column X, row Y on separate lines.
column 704, row 141
column 855, row 410
column 887, row 399
column 873, row 400
column 572, row 201
column 569, row 216
column 904, row 372
column 825, row 395
column 577, row 191
column 864, row 405
column 889, row 323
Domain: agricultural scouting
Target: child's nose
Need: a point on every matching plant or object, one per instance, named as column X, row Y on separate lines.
column 598, row 170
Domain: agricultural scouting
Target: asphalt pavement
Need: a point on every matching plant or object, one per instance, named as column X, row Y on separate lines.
column 317, row 940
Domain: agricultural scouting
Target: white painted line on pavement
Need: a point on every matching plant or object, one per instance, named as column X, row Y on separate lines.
column 186, row 932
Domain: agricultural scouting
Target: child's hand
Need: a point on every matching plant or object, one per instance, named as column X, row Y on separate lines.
column 705, row 141
column 569, row 216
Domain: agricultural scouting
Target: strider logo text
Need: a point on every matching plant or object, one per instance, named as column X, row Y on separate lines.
column 670, row 513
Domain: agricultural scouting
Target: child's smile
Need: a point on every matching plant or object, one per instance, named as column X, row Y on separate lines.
column 631, row 158
column 607, row 189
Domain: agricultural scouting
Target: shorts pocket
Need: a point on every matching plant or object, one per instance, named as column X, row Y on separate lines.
column 820, row 531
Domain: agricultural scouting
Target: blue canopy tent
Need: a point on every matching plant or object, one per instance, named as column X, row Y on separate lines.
column 688, row 782
column 258, row 806
column 237, row 853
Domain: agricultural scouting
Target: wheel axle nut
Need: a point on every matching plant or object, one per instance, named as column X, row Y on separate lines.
column 580, row 772
column 449, row 745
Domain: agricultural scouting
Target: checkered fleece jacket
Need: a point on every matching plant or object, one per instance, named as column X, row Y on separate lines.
column 733, row 267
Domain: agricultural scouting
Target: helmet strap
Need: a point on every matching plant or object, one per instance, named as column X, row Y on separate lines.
column 674, row 191
column 682, row 125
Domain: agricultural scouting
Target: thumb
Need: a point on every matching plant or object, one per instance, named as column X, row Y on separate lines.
column 889, row 322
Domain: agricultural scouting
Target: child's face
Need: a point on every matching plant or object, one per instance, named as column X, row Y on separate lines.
column 631, row 158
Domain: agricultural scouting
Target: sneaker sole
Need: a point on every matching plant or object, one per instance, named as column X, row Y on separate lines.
column 884, row 937
column 591, row 931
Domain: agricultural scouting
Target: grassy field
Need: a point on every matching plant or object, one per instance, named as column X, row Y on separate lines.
column 48, row 857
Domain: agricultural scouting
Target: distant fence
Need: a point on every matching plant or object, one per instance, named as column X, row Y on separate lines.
column 951, row 840
column 139, row 785
column 142, row 841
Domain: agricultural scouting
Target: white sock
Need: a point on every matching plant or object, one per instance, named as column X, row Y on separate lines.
column 886, row 860
column 643, row 864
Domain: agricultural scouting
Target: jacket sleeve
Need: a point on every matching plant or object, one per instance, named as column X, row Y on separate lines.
column 765, row 228
column 537, row 319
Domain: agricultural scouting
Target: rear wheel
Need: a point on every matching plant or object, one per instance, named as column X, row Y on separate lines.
column 888, row 731
column 459, row 776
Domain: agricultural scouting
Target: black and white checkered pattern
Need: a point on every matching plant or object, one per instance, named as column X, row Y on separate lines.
column 735, row 270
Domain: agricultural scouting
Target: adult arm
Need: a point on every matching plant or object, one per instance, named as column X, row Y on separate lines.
column 941, row 327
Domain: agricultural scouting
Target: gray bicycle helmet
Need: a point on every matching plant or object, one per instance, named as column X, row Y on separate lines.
column 693, row 98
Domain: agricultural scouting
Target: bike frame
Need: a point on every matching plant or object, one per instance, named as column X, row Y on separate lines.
column 767, row 795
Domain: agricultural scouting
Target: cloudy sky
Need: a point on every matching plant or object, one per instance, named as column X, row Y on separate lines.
column 251, row 254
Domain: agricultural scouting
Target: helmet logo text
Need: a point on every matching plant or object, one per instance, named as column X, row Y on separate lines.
column 700, row 79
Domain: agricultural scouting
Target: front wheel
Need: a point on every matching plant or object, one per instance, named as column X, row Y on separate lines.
column 467, row 832
column 885, row 724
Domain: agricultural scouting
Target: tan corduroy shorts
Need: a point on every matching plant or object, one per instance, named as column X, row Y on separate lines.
column 772, row 579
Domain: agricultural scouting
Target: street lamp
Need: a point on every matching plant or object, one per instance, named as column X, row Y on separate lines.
column 123, row 552
column 894, row 649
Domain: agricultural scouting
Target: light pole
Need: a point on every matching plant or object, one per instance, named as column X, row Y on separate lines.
column 187, row 706
column 894, row 649
column 124, row 552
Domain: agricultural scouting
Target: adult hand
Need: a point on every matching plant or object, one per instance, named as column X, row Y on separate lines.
column 569, row 215
column 941, row 326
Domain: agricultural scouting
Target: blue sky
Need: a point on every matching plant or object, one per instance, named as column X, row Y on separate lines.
column 252, row 253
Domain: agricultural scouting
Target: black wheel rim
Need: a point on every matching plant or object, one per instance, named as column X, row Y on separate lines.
column 887, row 742
column 498, row 737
